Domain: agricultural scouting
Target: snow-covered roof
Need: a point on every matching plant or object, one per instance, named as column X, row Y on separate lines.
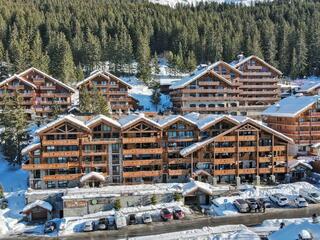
column 163, row 122
column 308, row 86
column 192, row 186
column 260, row 60
column 68, row 118
column 294, row 163
column 19, row 78
column 316, row 145
column 292, row 231
column 49, row 77
column 30, row 148
column 104, row 74
column 290, row 106
column 209, row 120
column 91, row 175
column 37, row 203
column 101, row 117
column 196, row 146
column 199, row 72
column 133, row 118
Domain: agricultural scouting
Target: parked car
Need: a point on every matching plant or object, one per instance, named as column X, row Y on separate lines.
column 165, row 214
column 253, row 205
column 178, row 213
column 89, row 226
column 132, row 219
column 241, row 205
column 301, row 202
column 49, row 227
column 146, row 218
column 279, row 199
column 310, row 195
column 103, row 224
column 265, row 201
column 120, row 221
column 111, row 222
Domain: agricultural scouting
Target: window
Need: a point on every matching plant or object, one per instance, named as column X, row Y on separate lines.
column 51, row 184
column 106, row 128
column 115, row 148
column 62, row 184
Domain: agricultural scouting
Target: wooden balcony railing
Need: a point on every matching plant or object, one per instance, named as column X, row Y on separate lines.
column 141, row 174
column 248, row 171
column 264, row 170
column 180, row 160
column 280, row 170
column 251, row 67
column 178, row 172
column 62, row 177
column 224, row 172
column 265, row 159
column 42, row 166
column 132, row 163
column 225, row 149
column 247, row 149
column 135, row 151
column 224, row 161
column 257, row 73
column 140, row 140
column 61, row 154
column 94, row 153
column 264, row 148
column 100, row 141
column 64, row 142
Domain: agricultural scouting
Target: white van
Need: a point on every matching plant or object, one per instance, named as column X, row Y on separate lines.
column 279, row 199
column 310, row 195
column 120, row 220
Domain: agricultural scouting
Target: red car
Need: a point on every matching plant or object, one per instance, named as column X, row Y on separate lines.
column 178, row 213
column 165, row 214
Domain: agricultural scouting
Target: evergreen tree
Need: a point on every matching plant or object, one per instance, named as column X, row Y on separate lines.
column 38, row 58
column 101, row 106
column 155, row 64
column 268, row 42
column 143, row 57
column 92, row 51
column 85, row 101
column 191, row 63
column 61, row 61
column 156, row 97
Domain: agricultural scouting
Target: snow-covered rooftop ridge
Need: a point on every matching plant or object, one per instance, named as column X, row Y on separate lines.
column 294, row 163
column 69, row 117
column 292, row 231
column 30, row 147
column 15, row 76
column 104, row 74
column 95, row 175
column 290, row 106
column 102, row 117
column 49, row 77
column 193, row 186
column 37, row 203
column 309, row 85
column 163, row 122
column 133, row 118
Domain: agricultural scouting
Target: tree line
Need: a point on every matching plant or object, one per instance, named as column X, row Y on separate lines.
column 69, row 39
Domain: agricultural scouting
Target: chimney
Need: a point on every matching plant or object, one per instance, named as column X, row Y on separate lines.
column 278, row 106
column 240, row 57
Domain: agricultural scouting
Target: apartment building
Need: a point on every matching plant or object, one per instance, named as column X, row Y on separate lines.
column 113, row 88
column 41, row 94
column 244, row 87
column 134, row 149
column 298, row 117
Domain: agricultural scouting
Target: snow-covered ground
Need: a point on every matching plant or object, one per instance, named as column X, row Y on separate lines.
column 224, row 205
column 143, row 94
column 14, row 182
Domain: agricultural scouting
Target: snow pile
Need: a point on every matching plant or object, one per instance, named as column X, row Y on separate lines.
column 230, row 232
column 14, row 182
column 95, row 175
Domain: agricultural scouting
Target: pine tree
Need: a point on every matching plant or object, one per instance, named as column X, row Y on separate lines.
column 85, row 100
column 156, row 97
column 268, row 42
column 191, row 63
column 294, row 71
column 92, row 52
column 39, row 59
column 100, row 104
column 155, row 64
column 61, row 61
column 143, row 57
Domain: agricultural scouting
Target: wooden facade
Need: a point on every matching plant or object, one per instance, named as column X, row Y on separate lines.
column 137, row 149
column 41, row 94
column 246, row 88
column 113, row 88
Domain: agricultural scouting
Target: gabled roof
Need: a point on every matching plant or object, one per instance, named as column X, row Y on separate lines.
column 37, row 203
column 67, row 118
column 135, row 118
column 171, row 119
column 309, row 85
column 196, row 146
column 19, row 78
column 199, row 72
column 260, row 60
column 294, row 163
column 49, row 77
column 100, row 118
column 103, row 74
column 291, row 106
column 93, row 175
column 193, row 186
column 30, row 148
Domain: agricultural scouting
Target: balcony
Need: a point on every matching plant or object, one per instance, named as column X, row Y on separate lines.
column 225, row 149
column 179, row 160
column 264, row 170
column 62, row 142
column 48, row 87
column 100, row 141
column 253, row 67
column 138, row 174
column 279, row 148
column 95, row 164
column 178, row 172
column 224, row 161
column 94, row 153
column 315, row 114
column 280, row 170
column 137, row 151
column 264, row 148
column 140, row 140
column 43, row 166
column 248, row 171
column 256, row 73
column 62, row 177
column 61, row 154
column 247, row 149
column 265, row 159
column 147, row 162
column 224, row 172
